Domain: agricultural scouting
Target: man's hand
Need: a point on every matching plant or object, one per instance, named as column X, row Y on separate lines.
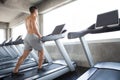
column 41, row 39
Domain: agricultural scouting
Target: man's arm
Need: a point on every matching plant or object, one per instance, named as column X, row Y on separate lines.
column 35, row 27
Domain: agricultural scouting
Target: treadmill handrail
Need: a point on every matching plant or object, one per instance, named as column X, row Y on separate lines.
column 52, row 37
column 92, row 30
column 19, row 37
column 3, row 43
column 8, row 42
column 20, row 41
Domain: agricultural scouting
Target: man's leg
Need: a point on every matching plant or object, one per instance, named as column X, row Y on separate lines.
column 21, row 59
column 41, row 55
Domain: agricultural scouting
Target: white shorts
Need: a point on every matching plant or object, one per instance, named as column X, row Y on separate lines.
column 32, row 41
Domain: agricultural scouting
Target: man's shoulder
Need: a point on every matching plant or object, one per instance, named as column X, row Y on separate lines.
column 27, row 18
column 30, row 18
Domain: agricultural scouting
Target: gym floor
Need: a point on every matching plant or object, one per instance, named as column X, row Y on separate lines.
column 73, row 75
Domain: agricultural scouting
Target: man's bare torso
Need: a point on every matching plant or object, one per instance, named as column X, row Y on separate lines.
column 31, row 24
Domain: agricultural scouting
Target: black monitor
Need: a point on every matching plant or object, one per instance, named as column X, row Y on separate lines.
column 58, row 29
column 109, row 19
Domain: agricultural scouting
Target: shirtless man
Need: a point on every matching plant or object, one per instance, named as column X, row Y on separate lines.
column 32, row 40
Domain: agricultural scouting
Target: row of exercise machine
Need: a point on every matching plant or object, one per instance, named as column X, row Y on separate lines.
column 10, row 51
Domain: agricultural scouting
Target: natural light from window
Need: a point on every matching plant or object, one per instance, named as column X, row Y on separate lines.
column 19, row 30
column 2, row 35
column 79, row 15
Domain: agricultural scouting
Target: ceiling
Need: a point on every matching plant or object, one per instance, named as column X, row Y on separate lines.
column 10, row 9
column 12, row 12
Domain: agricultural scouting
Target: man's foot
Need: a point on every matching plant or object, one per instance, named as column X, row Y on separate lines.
column 41, row 69
column 17, row 74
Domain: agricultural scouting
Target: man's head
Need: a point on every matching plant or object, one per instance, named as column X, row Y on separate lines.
column 33, row 9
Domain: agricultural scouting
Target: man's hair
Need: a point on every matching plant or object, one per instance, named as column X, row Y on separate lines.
column 32, row 9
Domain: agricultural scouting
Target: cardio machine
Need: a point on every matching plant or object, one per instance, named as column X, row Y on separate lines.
column 7, row 64
column 53, row 69
column 106, row 22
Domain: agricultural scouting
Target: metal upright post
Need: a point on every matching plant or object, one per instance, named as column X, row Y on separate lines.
column 65, row 55
column 34, row 56
column 46, row 54
column 87, row 51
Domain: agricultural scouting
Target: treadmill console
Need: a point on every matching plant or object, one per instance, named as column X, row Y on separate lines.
column 109, row 19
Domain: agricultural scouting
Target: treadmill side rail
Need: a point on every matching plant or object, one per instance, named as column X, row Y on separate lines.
column 108, row 65
column 87, row 74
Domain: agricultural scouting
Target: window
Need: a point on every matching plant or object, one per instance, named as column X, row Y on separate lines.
column 79, row 15
column 2, row 35
column 19, row 30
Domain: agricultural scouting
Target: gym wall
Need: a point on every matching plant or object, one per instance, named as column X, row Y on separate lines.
column 105, row 50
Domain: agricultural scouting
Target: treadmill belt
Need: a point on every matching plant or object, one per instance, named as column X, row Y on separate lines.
column 5, row 58
column 34, row 73
column 105, row 74
column 12, row 64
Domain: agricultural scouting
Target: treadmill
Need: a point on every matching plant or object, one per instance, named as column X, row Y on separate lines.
column 106, row 22
column 4, row 56
column 54, row 68
column 8, row 63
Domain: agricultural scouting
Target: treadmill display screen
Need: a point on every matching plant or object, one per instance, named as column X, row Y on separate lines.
column 58, row 29
column 109, row 19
